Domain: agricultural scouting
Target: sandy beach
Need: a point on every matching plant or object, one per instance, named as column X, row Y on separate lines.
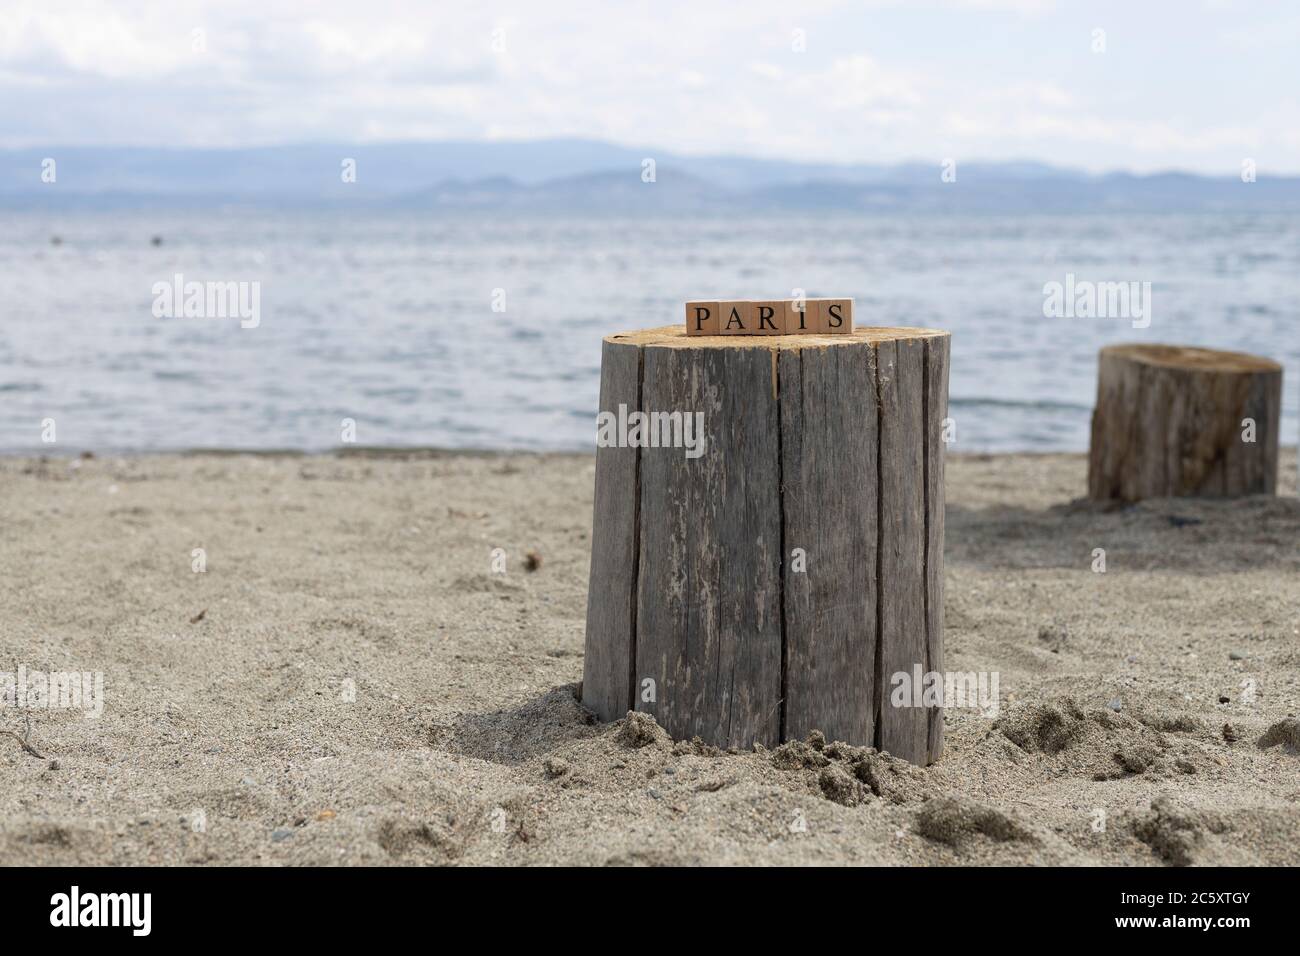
column 348, row 682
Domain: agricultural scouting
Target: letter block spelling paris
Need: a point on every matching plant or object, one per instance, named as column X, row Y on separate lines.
column 770, row 317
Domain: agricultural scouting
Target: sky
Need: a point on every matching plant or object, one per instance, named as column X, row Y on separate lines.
column 1144, row 86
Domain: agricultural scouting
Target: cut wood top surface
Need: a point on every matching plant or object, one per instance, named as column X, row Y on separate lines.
column 1191, row 357
column 674, row 336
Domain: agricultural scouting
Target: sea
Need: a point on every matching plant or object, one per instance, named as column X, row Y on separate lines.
column 483, row 331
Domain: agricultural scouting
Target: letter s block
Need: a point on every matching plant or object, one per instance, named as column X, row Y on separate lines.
column 834, row 316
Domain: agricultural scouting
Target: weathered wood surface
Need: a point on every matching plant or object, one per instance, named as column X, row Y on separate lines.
column 827, row 444
column 1169, row 421
column 936, row 416
column 611, row 591
column 708, row 606
column 829, row 456
column 904, row 729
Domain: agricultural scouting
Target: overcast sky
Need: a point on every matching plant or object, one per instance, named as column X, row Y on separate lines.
column 1191, row 85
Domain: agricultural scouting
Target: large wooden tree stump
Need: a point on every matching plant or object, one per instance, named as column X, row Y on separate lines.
column 775, row 584
column 1179, row 421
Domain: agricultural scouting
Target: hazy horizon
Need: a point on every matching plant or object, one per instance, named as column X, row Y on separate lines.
column 651, row 150
column 588, row 176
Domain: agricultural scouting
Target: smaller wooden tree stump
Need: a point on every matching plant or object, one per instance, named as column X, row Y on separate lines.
column 1178, row 421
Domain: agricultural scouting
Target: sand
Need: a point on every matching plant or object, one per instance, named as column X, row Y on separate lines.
column 349, row 683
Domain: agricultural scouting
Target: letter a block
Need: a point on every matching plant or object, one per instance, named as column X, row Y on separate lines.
column 734, row 318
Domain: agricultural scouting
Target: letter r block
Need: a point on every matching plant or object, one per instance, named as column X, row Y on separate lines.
column 768, row 318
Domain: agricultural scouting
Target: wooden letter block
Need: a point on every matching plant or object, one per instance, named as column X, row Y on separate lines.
column 800, row 321
column 768, row 317
column 834, row 316
column 701, row 318
column 734, row 318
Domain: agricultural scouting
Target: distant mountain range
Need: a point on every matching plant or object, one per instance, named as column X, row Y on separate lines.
column 587, row 177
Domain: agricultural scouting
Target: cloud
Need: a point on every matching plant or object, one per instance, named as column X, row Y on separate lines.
column 855, row 83
column 875, row 81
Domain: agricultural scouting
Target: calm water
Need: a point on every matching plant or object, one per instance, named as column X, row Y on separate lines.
column 387, row 319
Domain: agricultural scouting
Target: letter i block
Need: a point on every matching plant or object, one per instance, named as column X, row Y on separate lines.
column 734, row 318
column 834, row 316
column 702, row 318
column 768, row 317
column 800, row 317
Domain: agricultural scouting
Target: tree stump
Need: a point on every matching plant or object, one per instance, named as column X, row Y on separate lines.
column 1180, row 421
column 777, row 583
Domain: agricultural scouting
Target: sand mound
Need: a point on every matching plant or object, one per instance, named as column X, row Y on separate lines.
column 1285, row 732
column 406, row 839
column 1100, row 742
column 849, row 775
column 1176, row 834
column 838, row 786
column 695, row 747
column 1044, row 728
column 638, row 730
column 1169, row 723
column 954, row 820
column 519, row 734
